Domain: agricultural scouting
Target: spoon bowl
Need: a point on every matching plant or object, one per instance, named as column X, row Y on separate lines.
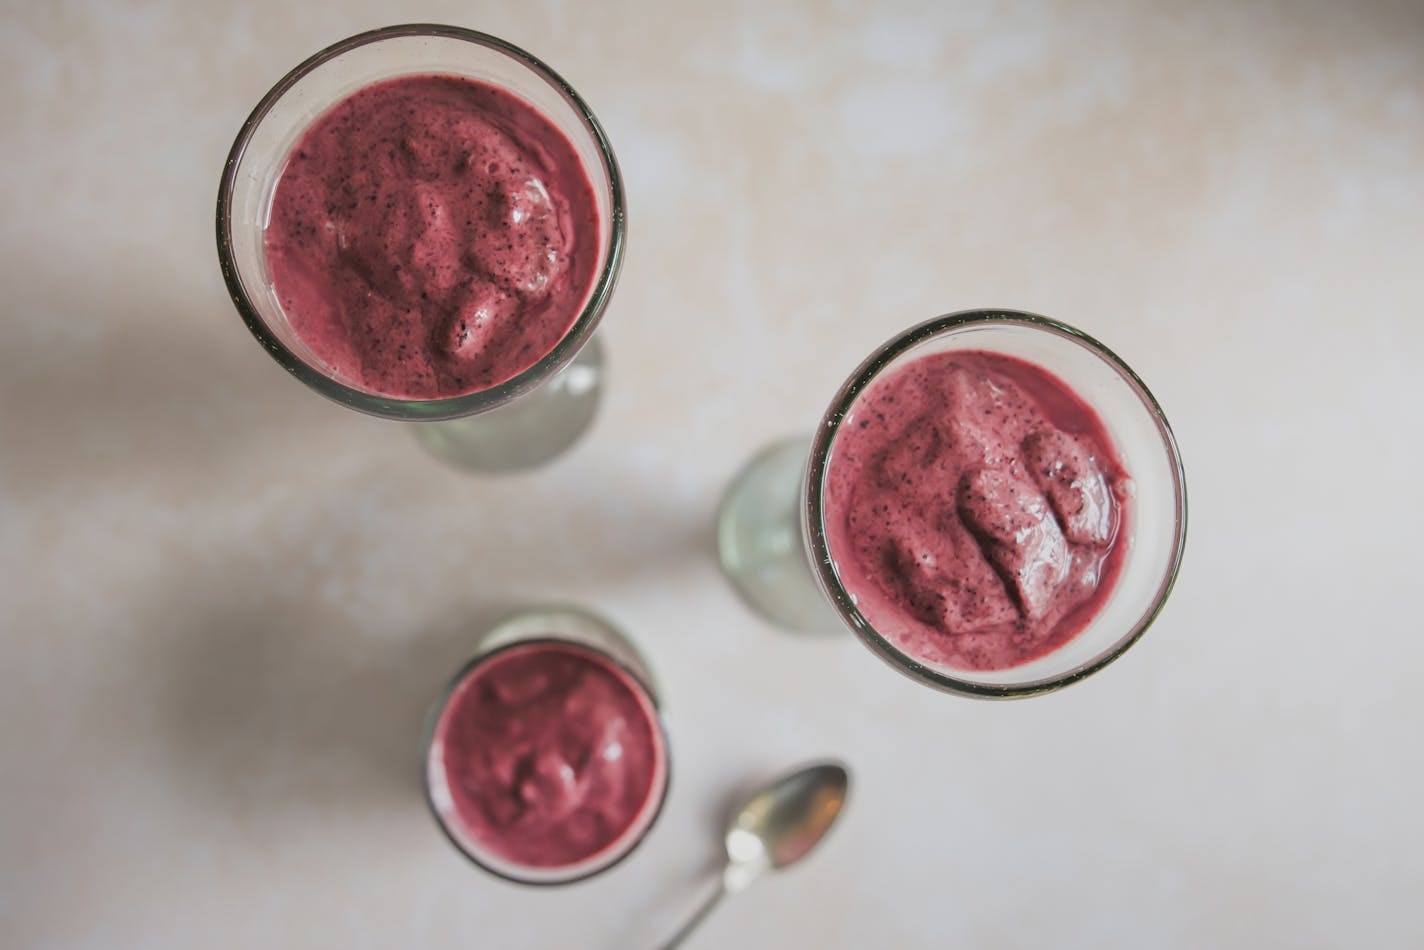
column 774, row 828
column 785, row 819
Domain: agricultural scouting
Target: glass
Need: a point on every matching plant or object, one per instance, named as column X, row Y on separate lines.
column 520, row 423
column 771, row 532
column 584, row 632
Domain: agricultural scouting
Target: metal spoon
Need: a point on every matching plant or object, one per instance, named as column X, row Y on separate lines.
column 776, row 827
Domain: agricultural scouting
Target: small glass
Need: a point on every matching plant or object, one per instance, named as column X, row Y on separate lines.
column 518, row 424
column 593, row 638
column 771, row 531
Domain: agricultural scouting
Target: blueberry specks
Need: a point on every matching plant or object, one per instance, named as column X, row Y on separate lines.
column 387, row 228
column 969, row 527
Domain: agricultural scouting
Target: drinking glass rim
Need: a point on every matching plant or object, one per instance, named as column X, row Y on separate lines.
column 449, row 407
column 437, row 709
column 813, row 510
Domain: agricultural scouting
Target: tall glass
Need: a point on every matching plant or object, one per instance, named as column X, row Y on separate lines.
column 772, row 523
column 517, row 424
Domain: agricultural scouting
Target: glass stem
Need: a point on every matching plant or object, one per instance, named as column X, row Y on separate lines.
column 760, row 543
column 528, row 432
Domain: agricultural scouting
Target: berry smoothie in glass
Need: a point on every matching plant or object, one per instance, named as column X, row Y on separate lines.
column 546, row 758
column 994, row 503
column 426, row 223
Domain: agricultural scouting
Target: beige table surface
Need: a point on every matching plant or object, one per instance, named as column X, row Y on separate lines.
column 226, row 602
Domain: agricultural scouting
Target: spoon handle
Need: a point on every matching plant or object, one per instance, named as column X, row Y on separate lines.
column 705, row 908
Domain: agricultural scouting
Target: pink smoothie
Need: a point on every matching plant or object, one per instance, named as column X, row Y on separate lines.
column 432, row 236
column 552, row 755
column 974, row 505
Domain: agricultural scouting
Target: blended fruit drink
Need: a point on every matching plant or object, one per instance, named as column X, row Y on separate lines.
column 973, row 508
column 432, row 236
column 547, row 754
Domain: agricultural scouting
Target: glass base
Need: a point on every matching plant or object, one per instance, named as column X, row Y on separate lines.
column 528, row 432
column 759, row 541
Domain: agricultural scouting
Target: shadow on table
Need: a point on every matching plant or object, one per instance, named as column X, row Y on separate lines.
column 264, row 707
column 101, row 391
column 270, row 696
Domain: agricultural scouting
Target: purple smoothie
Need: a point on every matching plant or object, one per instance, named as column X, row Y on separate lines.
column 432, row 236
column 974, row 506
column 552, row 755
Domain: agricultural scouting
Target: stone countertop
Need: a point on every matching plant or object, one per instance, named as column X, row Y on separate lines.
column 226, row 602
